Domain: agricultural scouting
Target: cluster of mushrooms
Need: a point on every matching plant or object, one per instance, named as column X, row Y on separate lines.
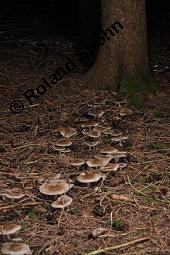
column 95, row 168
column 12, row 247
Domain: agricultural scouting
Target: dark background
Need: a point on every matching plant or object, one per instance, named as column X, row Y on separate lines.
column 73, row 17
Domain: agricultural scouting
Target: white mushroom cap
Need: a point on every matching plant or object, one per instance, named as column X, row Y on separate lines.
column 125, row 111
column 56, row 188
column 77, row 162
column 92, row 133
column 108, row 150
column 14, row 194
column 63, row 142
column 89, row 177
column 15, row 248
column 68, row 132
column 62, row 202
column 9, row 228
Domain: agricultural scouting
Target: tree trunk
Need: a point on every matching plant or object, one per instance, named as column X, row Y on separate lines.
column 123, row 51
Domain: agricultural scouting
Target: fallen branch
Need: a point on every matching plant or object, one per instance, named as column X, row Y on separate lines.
column 118, row 246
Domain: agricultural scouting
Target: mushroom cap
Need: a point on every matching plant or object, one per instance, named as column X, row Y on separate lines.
column 77, row 162
column 68, row 132
column 125, row 111
column 120, row 154
column 101, row 129
column 59, row 148
column 89, row 177
column 122, row 165
column 113, row 132
column 98, row 162
column 92, row 133
column 14, row 194
column 96, row 113
column 48, row 177
column 63, row 142
column 108, row 150
column 15, row 248
column 62, row 202
column 55, row 188
column 91, row 143
column 9, row 228
column 91, row 123
column 110, row 167
column 119, row 138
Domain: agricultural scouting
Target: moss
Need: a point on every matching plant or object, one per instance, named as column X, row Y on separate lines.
column 136, row 87
column 162, row 113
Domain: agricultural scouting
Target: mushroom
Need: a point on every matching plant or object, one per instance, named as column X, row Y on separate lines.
column 46, row 177
column 12, row 248
column 9, row 228
column 125, row 111
column 62, row 202
column 57, row 188
column 99, row 161
column 97, row 113
column 113, row 132
column 63, row 142
column 89, row 177
column 108, row 150
column 90, row 124
column 118, row 155
column 122, row 165
column 68, row 132
column 91, row 133
column 111, row 167
column 101, row 129
column 119, row 139
column 91, row 144
column 14, row 194
column 77, row 162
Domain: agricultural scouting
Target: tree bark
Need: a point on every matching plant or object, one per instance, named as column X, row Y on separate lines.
column 124, row 53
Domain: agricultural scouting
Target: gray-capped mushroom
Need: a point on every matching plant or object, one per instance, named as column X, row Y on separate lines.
column 89, row 177
column 125, row 112
column 119, row 139
column 12, row 248
column 91, row 133
column 63, row 142
column 57, row 188
column 108, row 150
column 9, row 228
column 62, row 202
column 68, row 132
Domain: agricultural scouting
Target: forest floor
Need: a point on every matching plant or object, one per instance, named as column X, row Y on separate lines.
column 132, row 204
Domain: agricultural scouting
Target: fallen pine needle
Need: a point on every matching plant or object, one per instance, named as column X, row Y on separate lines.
column 19, row 206
column 119, row 246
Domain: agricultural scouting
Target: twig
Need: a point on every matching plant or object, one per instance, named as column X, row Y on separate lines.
column 118, row 246
column 18, row 206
